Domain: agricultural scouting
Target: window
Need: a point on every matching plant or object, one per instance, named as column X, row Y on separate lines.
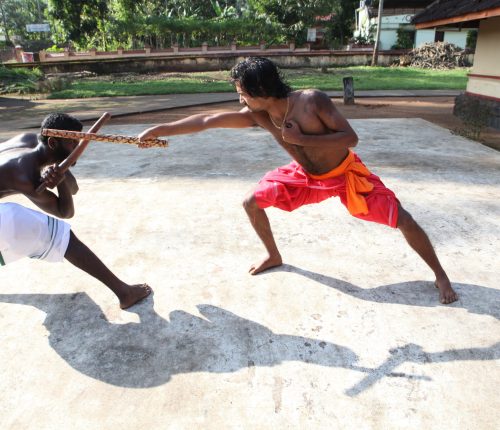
column 439, row 36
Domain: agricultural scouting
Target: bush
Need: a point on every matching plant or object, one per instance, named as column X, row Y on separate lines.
column 4, row 44
column 53, row 85
column 471, row 40
column 54, row 48
column 21, row 81
column 35, row 45
column 404, row 40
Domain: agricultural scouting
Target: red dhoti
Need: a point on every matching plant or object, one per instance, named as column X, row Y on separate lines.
column 363, row 193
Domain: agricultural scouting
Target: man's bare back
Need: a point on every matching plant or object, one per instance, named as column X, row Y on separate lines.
column 19, row 169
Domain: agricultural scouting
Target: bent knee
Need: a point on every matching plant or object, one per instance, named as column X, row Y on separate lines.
column 405, row 220
column 249, row 202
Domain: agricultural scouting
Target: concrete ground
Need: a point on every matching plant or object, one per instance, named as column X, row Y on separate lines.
column 18, row 113
column 348, row 334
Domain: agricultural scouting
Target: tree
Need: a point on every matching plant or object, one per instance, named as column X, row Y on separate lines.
column 295, row 15
column 342, row 24
column 159, row 23
column 77, row 20
column 377, row 37
column 16, row 14
column 4, row 22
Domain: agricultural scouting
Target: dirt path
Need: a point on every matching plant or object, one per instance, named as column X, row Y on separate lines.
column 438, row 110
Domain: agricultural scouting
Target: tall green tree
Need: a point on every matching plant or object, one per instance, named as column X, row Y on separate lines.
column 295, row 15
column 77, row 21
column 16, row 14
column 343, row 20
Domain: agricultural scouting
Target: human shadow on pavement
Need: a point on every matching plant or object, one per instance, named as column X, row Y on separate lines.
column 474, row 298
column 411, row 353
column 147, row 354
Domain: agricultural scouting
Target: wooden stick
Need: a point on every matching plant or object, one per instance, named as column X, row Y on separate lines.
column 75, row 154
column 114, row 138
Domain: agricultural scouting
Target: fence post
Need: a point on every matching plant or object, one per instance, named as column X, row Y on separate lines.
column 233, row 45
column 348, row 90
column 19, row 53
column 204, row 47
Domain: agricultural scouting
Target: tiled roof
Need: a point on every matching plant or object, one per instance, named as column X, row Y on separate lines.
column 442, row 9
column 395, row 4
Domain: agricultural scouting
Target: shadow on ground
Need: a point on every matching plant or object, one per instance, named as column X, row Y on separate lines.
column 474, row 298
column 13, row 103
column 149, row 353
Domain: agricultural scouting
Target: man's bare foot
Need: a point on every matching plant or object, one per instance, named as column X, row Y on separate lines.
column 134, row 294
column 265, row 264
column 447, row 294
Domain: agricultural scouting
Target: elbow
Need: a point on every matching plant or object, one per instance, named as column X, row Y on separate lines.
column 67, row 213
column 207, row 121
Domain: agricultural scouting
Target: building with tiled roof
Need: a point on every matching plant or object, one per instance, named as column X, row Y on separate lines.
column 483, row 83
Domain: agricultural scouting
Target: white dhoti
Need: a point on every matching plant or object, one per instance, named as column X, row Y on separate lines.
column 28, row 233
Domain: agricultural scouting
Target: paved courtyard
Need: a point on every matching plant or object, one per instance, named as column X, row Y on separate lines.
column 348, row 334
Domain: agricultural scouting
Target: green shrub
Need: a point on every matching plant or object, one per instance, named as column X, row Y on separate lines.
column 471, row 40
column 404, row 40
column 17, row 80
column 54, row 48
column 53, row 85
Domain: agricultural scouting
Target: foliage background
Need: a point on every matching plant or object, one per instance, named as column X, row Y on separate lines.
column 107, row 24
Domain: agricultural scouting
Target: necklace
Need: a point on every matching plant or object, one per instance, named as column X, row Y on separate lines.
column 284, row 118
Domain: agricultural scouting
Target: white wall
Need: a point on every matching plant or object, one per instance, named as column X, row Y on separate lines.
column 388, row 30
column 458, row 38
column 487, row 60
column 387, row 39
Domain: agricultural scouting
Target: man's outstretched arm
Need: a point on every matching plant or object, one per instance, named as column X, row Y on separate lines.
column 200, row 122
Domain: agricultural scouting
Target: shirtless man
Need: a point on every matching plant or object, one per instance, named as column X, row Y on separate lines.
column 318, row 138
column 28, row 233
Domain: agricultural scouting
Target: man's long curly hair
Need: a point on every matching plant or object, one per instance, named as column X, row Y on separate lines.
column 260, row 77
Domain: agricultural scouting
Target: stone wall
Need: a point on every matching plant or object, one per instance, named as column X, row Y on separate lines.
column 210, row 61
column 478, row 110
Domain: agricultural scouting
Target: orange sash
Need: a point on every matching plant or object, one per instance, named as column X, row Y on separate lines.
column 356, row 182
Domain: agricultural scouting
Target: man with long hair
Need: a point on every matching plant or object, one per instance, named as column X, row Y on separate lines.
column 319, row 140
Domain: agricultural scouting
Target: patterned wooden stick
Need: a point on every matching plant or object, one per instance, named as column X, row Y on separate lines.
column 114, row 138
column 75, row 154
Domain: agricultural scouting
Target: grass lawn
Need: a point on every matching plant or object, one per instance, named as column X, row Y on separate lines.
column 365, row 78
